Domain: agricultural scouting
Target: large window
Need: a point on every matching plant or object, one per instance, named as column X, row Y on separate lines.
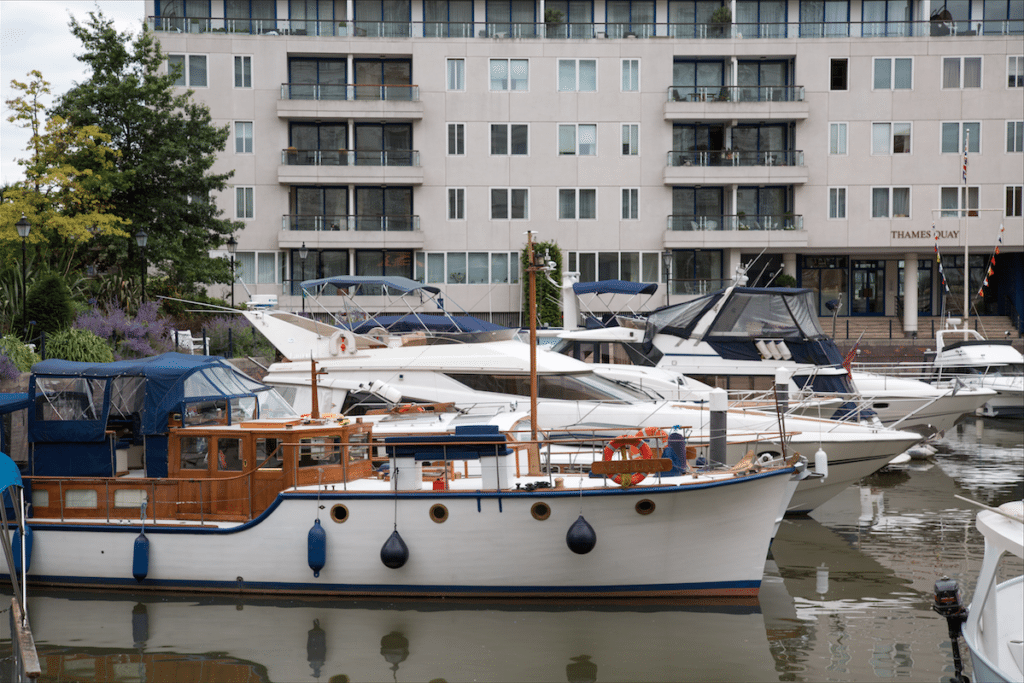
column 698, row 208
column 1004, row 17
column 317, row 144
column 961, row 72
column 955, row 133
column 825, row 19
column 577, row 204
column 447, row 18
column 890, row 202
column 697, row 80
column 383, row 79
column 577, row 18
column 634, row 266
column 764, row 81
column 692, row 18
column 257, row 268
column 893, row 73
column 511, row 18
column 460, row 267
column 192, row 70
column 958, row 201
column 510, row 203
column 317, row 264
column 316, row 79
column 627, row 17
column 385, row 18
column 384, row 208
column 384, row 144
column 765, row 205
column 577, row 75
column 510, row 74
column 510, row 139
column 577, row 138
column 890, row 138
column 886, row 17
column 250, row 16
column 386, row 262
column 318, row 208
column 317, row 17
column 183, row 16
column 761, row 18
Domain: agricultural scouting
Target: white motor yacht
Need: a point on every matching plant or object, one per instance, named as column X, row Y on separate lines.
column 964, row 354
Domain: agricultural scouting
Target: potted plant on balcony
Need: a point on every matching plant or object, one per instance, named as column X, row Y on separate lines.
column 740, row 216
column 787, row 221
column 720, row 24
column 554, row 20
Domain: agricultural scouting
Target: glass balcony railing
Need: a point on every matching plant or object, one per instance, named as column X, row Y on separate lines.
column 737, row 157
column 722, row 222
column 736, row 93
column 586, row 30
column 347, row 157
column 345, row 92
column 351, row 223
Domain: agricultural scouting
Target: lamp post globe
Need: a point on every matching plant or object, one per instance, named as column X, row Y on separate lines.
column 140, row 239
column 24, row 228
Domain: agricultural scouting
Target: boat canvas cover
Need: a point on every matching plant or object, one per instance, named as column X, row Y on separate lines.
column 614, row 287
column 395, row 282
column 74, row 401
column 417, row 322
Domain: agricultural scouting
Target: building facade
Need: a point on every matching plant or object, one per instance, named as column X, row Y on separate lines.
column 844, row 142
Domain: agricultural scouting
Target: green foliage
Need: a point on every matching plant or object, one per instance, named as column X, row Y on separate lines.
column 49, row 305
column 549, row 295
column 79, row 345
column 722, row 15
column 244, row 339
column 784, row 280
column 18, row 351
column 166, row 143
column 553, row 16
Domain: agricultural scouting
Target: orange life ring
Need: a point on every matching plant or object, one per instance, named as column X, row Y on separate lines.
column 651, row 432
column 642, row 449
column 410, row 408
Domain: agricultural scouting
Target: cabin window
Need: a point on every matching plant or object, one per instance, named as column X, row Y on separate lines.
column 193, row 452
column 229, row 455
column 243, row 408
column 268, row 453
column 40, row 499
column 80, row 498
column 129, row 498
column 319, row 451
column 205, row 413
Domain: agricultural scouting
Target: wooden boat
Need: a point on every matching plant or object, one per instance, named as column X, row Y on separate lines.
column 178, row 473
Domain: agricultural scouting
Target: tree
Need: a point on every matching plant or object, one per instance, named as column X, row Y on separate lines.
column 166, row 144
column 549, row 294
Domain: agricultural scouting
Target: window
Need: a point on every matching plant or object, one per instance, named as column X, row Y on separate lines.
column 509, row 138
column 1013, row 200
column 955, row 132
column 456, row 139
column 1015, row 71
column 957, row 202
column 630, row 139
column 837, row 202
column 577, row 75
column 630, row 203
column 456, row 203
column 890, row 202
column 193, row 69
column 961, row 72
column 257, row 268
column 244, row 202
column 577, row 204
column 837, row 138
column 456, row 74
column 627, row 17
column 577, row 138
column 840, row 74
column 243, row 137
column 893, row 73
column 630, row 75
column 322, row 79
column 387, row 208
column 510, row 74
column 825, row 19
column 890, row 138
column 459, row 267
column 393, row 262
column 509, row 203
column 243, row 71
column 1015, row 136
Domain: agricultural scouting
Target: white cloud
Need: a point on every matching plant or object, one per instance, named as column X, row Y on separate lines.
column 34, row 35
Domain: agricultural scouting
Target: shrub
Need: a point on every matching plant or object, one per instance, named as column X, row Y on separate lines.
column 784, row 280
column 49, row 305
column 145, row 335
column 245, row 340
column 8, row 370
column 78, row 345
column 18, row 353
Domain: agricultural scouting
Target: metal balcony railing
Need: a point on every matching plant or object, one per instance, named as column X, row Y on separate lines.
column 721, row 222
column 343, row 92
column 737, row 157
column 585, row 30
column 351, row 223
column 347, row 157
column 736, row 93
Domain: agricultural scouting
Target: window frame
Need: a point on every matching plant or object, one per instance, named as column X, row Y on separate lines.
column 186, row 71
column 632, row 151
column 632, row 73
column 841, row 193
column 245, row 195
column 891, row 138
column 509, row 203
column 844, row 138
column 460, row 74
column 892, row 73
column 508, row 75
column 845, row 61
column 963, row 200
column 1014, row 194
column 961, row 75
column 1014, row 72
column 460, row 139
column 243, row 139
column 890, row 215
column 242, row 60
column 974, row 146
column 456, row 211
column 577, row 191
column 630, row 203
column 1014, row 137
column 257, row 271
column 576, row 144
column 508, row 140
column 576, row 75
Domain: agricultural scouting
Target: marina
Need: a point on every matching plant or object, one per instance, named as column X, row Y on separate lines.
column 846, row 595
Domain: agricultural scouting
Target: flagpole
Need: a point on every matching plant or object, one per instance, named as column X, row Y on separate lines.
column 967, row 222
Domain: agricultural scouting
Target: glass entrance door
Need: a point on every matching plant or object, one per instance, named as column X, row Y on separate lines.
column 868, row 288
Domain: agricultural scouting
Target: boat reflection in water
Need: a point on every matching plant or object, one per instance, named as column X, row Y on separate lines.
column 112, row 636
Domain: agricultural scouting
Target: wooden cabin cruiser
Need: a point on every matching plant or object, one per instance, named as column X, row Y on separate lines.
column 228, row 494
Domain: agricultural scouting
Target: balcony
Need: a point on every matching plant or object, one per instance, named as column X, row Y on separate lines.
column 736, row 102
column 359, row 167
column 399, row 101
column 724, row 230
column 587, row 30
column 351, row 232
column 735, row 167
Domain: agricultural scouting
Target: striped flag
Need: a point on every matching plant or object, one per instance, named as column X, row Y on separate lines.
column 967, row 137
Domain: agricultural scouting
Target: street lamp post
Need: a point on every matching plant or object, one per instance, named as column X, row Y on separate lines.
column 666, row 259
column 140, row 239
column 232, row 243
column 303, row 253
column 24, row 228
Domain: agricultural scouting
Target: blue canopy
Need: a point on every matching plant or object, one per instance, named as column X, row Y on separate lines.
column 614, row 287
column 9, row 473
column 12, row 402
column 401, row 284
column 415, row 322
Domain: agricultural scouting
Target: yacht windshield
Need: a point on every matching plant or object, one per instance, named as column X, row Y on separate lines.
column 575, row 387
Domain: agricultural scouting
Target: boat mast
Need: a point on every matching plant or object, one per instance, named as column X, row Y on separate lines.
column 532, row 270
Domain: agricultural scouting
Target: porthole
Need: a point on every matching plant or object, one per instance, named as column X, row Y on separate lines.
column 540, row 511
column 339, row 513
column 438, row 513
column 645, row 506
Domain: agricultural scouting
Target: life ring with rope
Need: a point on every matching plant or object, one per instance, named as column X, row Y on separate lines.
column 641, row 448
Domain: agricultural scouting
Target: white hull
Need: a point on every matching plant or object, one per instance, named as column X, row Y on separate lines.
column 490, row 544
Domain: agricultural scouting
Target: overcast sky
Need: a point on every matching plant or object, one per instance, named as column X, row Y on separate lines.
column 34, row 34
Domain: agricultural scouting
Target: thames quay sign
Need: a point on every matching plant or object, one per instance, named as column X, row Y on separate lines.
column 924, row 234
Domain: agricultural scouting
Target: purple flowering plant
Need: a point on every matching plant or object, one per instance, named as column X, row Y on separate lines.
column 147, row 334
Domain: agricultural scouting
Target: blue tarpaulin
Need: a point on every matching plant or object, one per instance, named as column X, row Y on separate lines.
column 614, row 287
column 415, row 322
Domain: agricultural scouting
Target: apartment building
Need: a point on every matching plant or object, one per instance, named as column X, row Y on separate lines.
column 845, row 142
